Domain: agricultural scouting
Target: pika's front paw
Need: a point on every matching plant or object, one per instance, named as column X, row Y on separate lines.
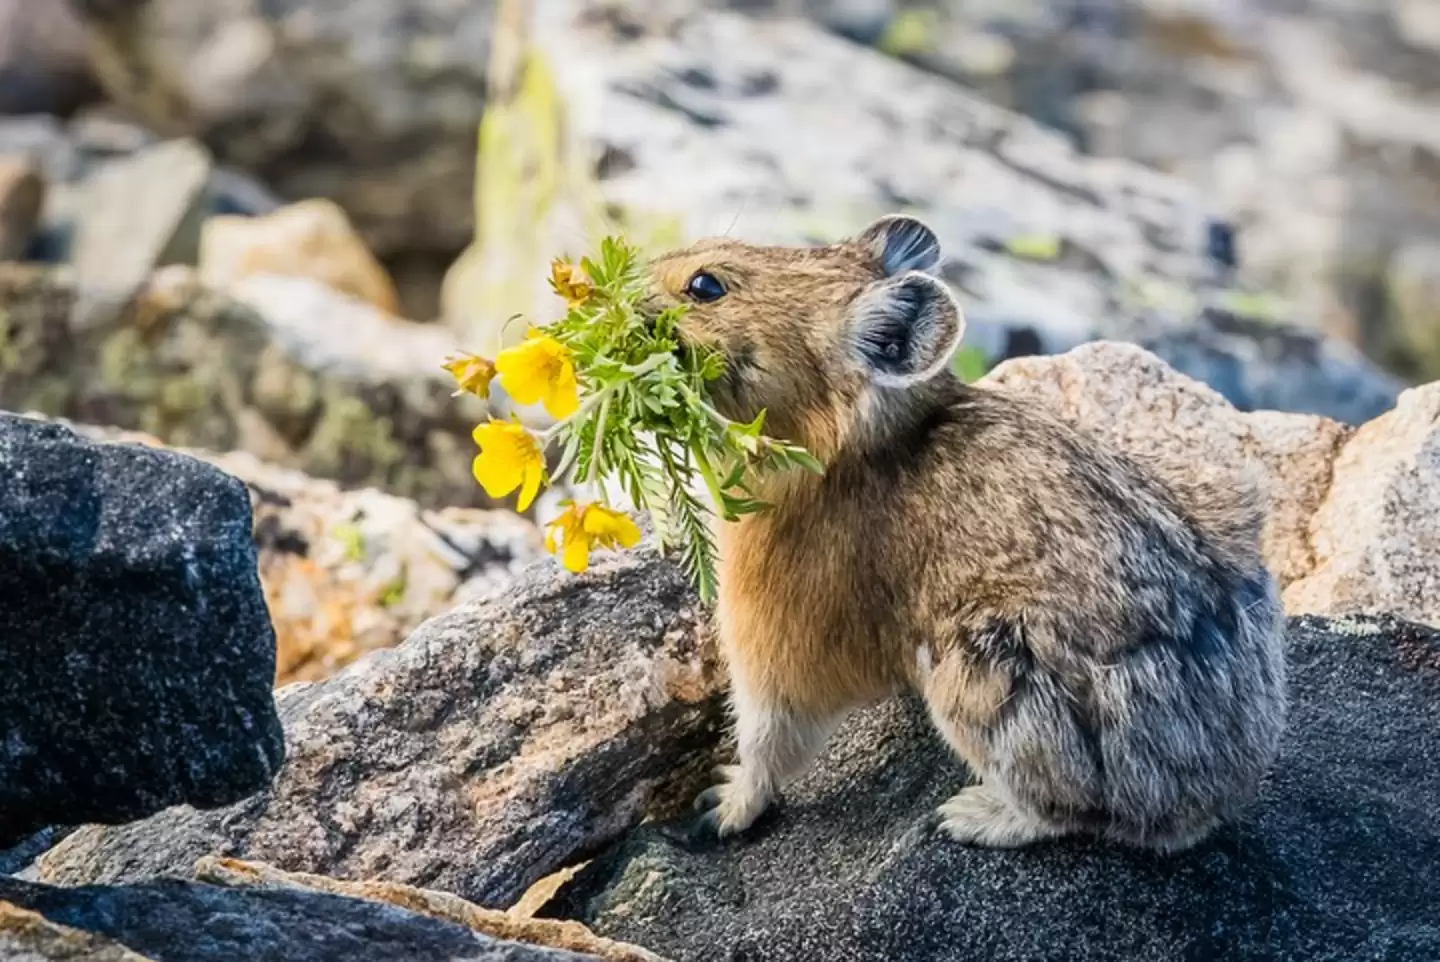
column 733, row 805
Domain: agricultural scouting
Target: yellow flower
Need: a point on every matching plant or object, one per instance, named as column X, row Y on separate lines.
column 570, row 283
column 582, row 528
column 540, row 368
column 472, row 372
column 509, row 458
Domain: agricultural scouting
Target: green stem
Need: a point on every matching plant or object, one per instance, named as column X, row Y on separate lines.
column 597, row 451
column 708, row 474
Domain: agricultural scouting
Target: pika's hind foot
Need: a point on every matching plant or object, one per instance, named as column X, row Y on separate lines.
column 734, row 804
column 976, row 816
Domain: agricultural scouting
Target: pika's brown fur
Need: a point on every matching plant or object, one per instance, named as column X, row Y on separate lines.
column 1101, row 646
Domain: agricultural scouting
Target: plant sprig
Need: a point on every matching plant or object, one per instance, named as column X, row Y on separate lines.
column 635, row 414
column 646, row 422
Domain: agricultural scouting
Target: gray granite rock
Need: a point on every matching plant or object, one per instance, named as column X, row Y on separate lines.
column 692, row 121
column 373, row 104
column 172, row 920
column 284, row 369
column 1339, row 859
column 498, row 744
column 1264, row 367
column 1311, row 123
column 136, row 656
column 136, row 214
column 74, row 154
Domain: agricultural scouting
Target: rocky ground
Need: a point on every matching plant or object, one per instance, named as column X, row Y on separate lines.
column 278, row 682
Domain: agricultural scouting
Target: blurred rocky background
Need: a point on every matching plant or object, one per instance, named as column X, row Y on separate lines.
column 239, row 237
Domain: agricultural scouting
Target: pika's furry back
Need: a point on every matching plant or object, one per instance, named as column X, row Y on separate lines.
column 1101, row 645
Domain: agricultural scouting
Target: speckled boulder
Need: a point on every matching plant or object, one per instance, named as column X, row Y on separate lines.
column 1338, row 859
column 136, row 655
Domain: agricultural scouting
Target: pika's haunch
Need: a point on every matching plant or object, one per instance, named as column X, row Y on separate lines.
column 1097, row 638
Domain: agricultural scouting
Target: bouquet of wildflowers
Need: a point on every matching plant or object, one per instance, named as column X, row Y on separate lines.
column 629, row 406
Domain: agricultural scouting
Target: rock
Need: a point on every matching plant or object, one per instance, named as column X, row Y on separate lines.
column 285, row 369
column 1133, row 400
column 20, row 855
column 373, row 105
column 1337, row 859
column 500, row 742
column 1310, row 123
column 571, row 936
column 1376, row 535
column 137, row 657
column 799, row 137
column 1352, row 524
column 22, row 195
column 29, row 937
column 43, row 66
column 1417, row 23
column 72, row 154
column 137, row 214
column 1258, row 366
column 173, row 920
column 308, row 239
column 346, row 572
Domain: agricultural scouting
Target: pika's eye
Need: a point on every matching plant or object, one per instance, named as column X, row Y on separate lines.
column 705, row 288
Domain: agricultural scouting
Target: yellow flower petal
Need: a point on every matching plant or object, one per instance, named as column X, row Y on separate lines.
column 577, row 555
column 533, row 475
column 509, row 458
column 495, row 475
column 610, row 527
column 628, row 534
column 564, row 395
column 540, row 369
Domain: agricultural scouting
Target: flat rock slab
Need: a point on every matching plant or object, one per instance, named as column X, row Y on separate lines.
column 136, row 655
column 171, row 920
column 1338, row 860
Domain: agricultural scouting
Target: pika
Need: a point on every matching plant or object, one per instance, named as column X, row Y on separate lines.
column 1101, row 645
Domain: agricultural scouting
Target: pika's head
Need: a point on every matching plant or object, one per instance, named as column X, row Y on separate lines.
column 809, row 334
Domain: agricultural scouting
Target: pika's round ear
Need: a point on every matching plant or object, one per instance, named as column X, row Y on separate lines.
column 902, row 330
column 902, row 243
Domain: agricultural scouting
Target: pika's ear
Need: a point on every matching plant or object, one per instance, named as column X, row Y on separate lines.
column 903, row 329
column 902, row 243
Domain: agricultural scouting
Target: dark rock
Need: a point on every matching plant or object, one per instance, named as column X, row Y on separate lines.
column 28, row 849
column 1338, row 860
column 498, row 744
column 171, row 920
column 1259, row 366
column 136, row 656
